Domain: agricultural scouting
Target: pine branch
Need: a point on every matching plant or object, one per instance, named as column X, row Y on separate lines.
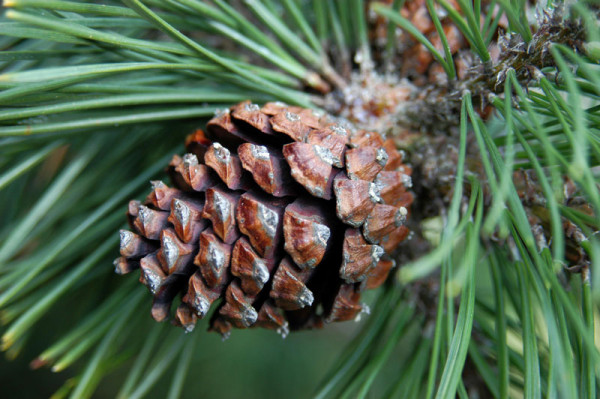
column 496, row 110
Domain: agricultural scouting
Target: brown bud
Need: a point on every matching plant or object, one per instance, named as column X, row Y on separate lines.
column 379, row 274
column 220, row 325
column 133, row 245
column 238, row 307
column 363, row 138
column 359, row 257
column 306, row 232
column 291, row 124
column 311, row 166
column 124, row 265
column 186, row 218
column 382, row 220
column 392, row 189
column 253, row 271
column 365, row 162
column 354, row 199
column 133, row 208
column 250, row 114
column 334, row 137
column 312, row 118
column 152, row 274
column 345, row 306
column 269, row 169
column 185, row 317
column 150, row 223
column 391, row 241
column 227, row 166
column 260, row 219
column 222, row 129
column 162, row 195
column 309, row 117
column 220, row 208
column 275, row 107
column 161, row 305
column 197, row 143
column 174, row 255
column 132, row 212
column 394, row 156
column 213, row 258
column 199, row 297
column 190, row 173
column 270, row 317
column 289, row 290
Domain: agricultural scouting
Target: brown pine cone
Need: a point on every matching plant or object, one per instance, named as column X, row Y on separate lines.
column 415, row 61
column 286, row 216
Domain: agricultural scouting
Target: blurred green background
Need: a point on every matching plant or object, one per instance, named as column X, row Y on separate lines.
column 250, row 364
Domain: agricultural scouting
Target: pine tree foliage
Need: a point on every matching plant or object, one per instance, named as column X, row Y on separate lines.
column 498, row 296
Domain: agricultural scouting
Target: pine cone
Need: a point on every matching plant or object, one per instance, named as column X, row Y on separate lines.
column 286, row 216
column 415, row 61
